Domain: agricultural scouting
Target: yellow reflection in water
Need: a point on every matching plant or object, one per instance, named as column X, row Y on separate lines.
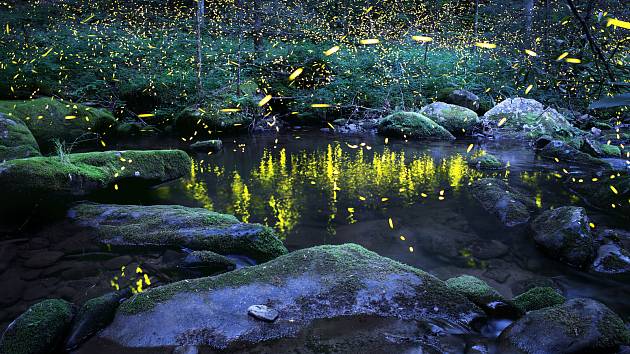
column 198, row 189
column 281, row 185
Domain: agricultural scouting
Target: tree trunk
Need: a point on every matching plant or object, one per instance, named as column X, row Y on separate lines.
column 528, row 7
column 200, row 4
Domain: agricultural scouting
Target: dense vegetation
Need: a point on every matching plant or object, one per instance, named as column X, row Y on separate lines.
column 139, row 58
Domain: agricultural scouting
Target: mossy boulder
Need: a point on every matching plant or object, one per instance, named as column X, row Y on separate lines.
column 483, row 295
column 564, row 152
column 413, row 126
column 343, row 284
column 16, row 141
column 207, row 145
column 457, row 120
column 206, row 122
column 497, row 197
column 77, row 175
column 173, row 226
column 486, row 162
column 527, row 118
column 565, row 234
column 576, row 326
column 610, row 150
column 94, row 315
column 538, row 298
column 49, row 119
column 40, row 329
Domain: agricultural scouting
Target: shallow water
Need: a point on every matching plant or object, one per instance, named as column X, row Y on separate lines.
column 404, row 200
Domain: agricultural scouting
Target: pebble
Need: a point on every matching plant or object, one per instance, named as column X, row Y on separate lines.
column 263, row 313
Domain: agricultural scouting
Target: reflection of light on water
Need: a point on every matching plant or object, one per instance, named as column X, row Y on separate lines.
column 280, row 187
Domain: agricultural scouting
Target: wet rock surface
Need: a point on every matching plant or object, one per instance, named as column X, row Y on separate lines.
column 577, row 326
column 324, row 282
column 412, row 125
column 565, row 233
column 498, row 198
column 174, row 226
column 16, row 141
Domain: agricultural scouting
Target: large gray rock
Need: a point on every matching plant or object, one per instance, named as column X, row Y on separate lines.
column 338, row 283
column 565, row 234
column 16, row 141
column 577, row 326
column 498, row 198
column 612, row 259
column 40, row 329
column 173, row 226
column 527, row 118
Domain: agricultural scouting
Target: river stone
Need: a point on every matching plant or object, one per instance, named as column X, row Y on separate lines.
column 463, row 98
column 486, row 162
column 38, row 330
column 527, row 118
column 94, row 315
column 33, row 178
column 498, row 198
column 483, row 295
column 412, row 125
column 565, row 234
column 601, row 194
column 207, row 262
column 564, row 152
column 538, row 298
column 263, row 313
column 457, row 120
column 612, row 259
column 173, row 226
column 577, row 326
column 16, row 141
column 207, row 145
column 336, row 283
column 43, row 259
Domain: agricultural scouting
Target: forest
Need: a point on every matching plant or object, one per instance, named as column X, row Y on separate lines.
column 332, row 176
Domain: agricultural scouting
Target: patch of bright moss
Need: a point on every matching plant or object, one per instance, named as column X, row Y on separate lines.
column 49, row 118
column 475, row 289
column 610, row 150
column 16, row 141
column 457, row 120
column 538, row 298
column 486, row 162
column 85, row 172
column 412, row 125
column 38, row 330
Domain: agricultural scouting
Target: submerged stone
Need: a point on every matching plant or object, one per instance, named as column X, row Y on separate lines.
column 173, row 226
column 565, row 233
column 577, row 326
column 457, row 120
column 538, row 298
column 40, row 329
column 80, row 174
column 50, row 118
column 564, row 152
column 336, row 283
column 207, row 145
column 498, row 198
column 412, row 125
column 94, row 315
column 16, row 141
column 207, row 262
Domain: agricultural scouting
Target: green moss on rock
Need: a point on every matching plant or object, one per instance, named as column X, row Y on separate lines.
column 16, row 141
column 610, row 150
column 538, row 298
column 412, row 125
column 475, row 289
column 456, row 119
column 136, row 226
column 84, row 173
column 207, row 145
column 486, row 162
column 49, row 119
column 497, row 197
column 38, row 330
